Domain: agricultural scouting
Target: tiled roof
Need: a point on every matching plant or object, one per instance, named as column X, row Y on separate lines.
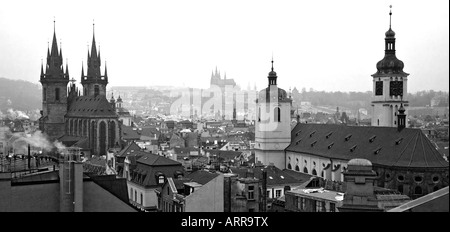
column 275, row 176
column 90, row 106
column 224, row 154
column 381, row 145
column 201, row 176
column 147, row 176
column 156, row 160
column 129, row 149
column 129, row 134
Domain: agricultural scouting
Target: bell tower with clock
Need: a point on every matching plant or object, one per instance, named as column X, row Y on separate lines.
column 389, row 85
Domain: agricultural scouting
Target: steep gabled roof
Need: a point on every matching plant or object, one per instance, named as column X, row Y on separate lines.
column 90, row 106
column 384, row 146
column 201, row 176
column 129, row 149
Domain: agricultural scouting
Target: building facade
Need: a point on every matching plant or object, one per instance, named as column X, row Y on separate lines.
column 85, row 120
column 389, row 85
column 272, row 127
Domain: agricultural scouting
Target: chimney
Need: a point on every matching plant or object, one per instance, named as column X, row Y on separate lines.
column 29, row 157
column 264, row 190
column 71, row 182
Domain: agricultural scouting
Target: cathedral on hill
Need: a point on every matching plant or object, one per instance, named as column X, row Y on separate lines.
column 81, row 119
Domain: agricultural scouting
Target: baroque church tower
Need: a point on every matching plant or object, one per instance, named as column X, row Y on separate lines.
column 94, row 84
column 54, row 95
column 389, row 87
column 272, row 127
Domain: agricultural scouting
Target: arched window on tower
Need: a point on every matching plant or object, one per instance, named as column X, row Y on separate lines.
column 277, row 113
column 259, row 114
column 44, row 94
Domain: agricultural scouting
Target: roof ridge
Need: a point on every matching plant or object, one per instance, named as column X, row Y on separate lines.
column 423, row 149
column 414, row 149
column 436, row 152
column 402, row 152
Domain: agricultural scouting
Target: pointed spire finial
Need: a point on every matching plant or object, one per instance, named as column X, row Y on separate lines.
column 54, row 24
column 272, row 62
column 390, row 15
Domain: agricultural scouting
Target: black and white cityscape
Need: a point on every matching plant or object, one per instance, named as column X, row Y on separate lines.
column 224, row 106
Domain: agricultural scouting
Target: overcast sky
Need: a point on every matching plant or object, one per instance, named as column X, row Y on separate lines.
column 325, row 44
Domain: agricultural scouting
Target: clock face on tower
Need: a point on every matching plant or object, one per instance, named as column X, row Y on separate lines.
column 396, row 88
column 378, row 88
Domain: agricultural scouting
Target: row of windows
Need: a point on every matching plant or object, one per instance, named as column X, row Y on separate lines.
column 310, row 205
column 135, row 199
column 417, row 178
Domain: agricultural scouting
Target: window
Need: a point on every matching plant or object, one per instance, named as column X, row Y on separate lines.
column 251, row 192
column 161, row 179
column 277, row 114
column 57, row 94
column 435, row 179
column 131, row 193
column 277, row 193
column 400, row 178
column 314, row 172
column 297, row 168
column 142, row 199
column 96, row 90
column 305, row 170
column 418, row 190
column 418, row 179
column 320, row 206
column 378, row 88
column 259, row 114
column 400, row 188
column 332, row 207
column 44, row 94
column 268, row 193
column 289, row 166
column 135, row 195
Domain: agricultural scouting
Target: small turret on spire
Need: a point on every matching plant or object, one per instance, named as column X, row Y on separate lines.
column 42, row 69
column 106, row 72
column 67, row 69
column 82, row 71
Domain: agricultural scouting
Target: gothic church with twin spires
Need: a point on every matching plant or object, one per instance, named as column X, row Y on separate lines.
column 81, row 119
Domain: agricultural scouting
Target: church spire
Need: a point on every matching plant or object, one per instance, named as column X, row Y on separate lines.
column 67, row 69
column 54, row 51
column 93, row 49
column 272, row 76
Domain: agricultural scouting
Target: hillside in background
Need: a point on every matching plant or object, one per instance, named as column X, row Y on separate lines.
column 19, row 95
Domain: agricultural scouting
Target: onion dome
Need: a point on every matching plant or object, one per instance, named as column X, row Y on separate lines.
column 390, row 33
column 390, row 64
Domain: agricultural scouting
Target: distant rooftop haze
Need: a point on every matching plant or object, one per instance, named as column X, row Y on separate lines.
column 324, row 45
